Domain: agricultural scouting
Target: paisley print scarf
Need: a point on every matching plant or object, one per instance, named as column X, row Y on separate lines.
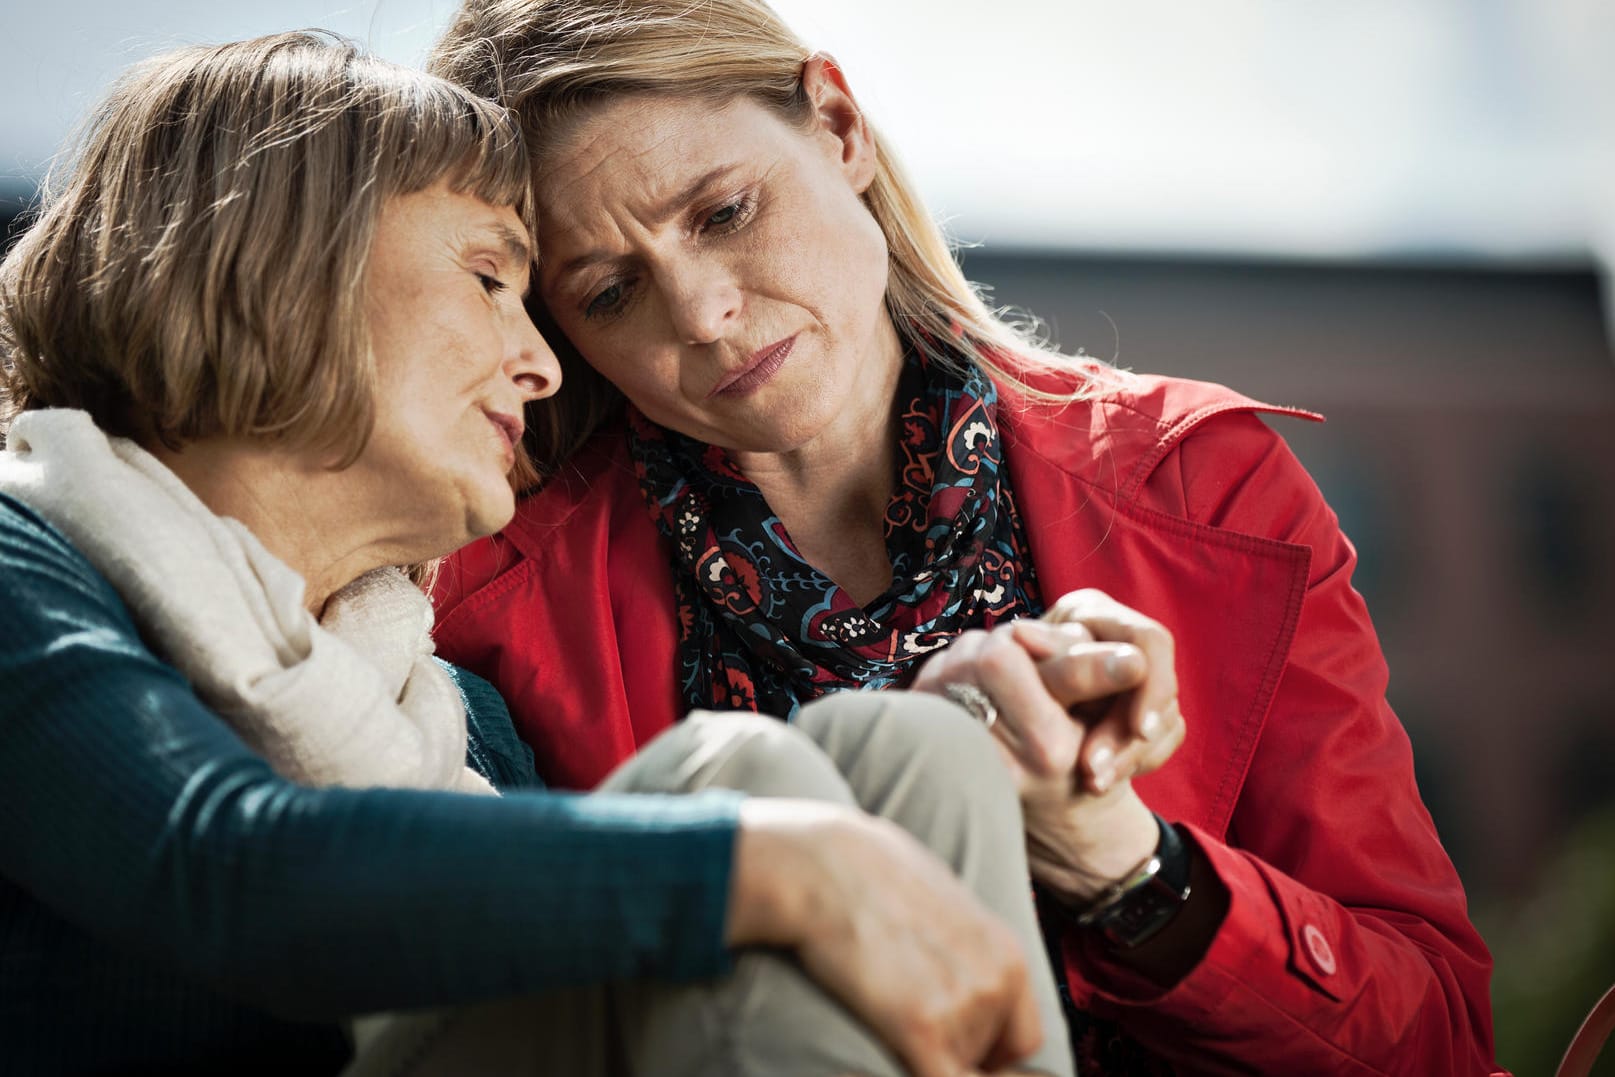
column 762, row 630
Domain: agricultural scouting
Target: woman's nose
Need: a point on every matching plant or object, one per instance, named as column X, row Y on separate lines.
column 530, row 361
column 702, row 302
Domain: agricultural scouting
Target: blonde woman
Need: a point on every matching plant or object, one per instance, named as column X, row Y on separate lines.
column 799, row 456
column 264, row 341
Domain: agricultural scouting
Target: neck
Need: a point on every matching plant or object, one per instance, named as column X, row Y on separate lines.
column 292, row 503
column 849, row 479
column 831, row 494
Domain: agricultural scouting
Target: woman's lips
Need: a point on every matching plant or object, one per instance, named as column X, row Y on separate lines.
column 764, row 364
column 510, row 429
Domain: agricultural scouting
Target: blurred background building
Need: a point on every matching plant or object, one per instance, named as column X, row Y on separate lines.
column 1400, row 213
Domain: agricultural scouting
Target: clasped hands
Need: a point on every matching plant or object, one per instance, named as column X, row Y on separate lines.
column 1087, row 700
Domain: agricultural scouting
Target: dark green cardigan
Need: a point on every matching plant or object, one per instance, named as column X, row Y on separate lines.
column 168, row 904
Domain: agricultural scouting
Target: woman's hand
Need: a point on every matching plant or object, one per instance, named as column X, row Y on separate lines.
column 883, row 925
column 1088, row 694
column 1130, row 733
column 1086, row 700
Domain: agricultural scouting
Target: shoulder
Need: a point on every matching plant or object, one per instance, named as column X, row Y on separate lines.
column 597, row 480
column 25, row 536
column 565, row 522
column 1122, row 428
column 61, row 621
column 39, row 567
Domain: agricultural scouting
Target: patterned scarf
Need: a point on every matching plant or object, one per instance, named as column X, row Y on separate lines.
column 760, row 629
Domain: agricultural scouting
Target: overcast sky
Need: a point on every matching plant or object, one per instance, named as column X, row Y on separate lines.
column 1468, row 129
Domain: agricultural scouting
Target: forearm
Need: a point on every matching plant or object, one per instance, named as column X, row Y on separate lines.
column 339, row 902
column 1078, row 852
column 329, row 902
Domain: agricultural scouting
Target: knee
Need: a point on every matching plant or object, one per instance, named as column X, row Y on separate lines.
column 925, row 731
column 754, row 754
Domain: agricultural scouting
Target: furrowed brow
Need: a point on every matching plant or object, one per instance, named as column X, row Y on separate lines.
column 661, row 211
column 677, row 202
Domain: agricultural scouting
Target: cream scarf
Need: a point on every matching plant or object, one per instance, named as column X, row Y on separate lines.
column 353, row 699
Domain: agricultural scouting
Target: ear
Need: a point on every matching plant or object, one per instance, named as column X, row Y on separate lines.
column 837, row 115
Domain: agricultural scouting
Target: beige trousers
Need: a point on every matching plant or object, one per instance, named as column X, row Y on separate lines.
column 916, row 760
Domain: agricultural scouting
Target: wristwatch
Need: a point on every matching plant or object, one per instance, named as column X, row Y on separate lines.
column 1144, row 901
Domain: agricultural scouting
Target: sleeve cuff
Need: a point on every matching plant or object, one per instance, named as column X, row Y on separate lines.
column 693, row 943
column 1101, row 984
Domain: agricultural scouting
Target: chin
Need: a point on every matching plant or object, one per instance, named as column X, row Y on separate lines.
column 477, row 517
column 490, row 514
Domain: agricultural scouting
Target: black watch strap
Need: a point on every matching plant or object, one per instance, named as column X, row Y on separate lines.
column 1139, row 905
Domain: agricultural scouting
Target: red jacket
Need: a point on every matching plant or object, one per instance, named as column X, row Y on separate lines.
column 1347, row 948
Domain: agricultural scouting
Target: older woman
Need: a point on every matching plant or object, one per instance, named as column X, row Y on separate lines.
column 265, row 341
column 834, row 460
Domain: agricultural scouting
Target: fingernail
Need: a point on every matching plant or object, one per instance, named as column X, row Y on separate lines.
column 1102, row 764
column 1151, row 725
column 1121, row 664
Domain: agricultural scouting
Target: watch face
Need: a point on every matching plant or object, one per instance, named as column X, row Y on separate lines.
column 1150, row 899
column 1143, row 912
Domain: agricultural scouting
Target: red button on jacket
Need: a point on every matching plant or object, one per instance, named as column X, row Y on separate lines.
column 1323, row 958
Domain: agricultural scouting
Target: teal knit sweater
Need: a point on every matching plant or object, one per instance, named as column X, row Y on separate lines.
column 168, row 904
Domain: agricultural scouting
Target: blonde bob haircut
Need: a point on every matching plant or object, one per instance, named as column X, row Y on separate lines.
column 551, row 60
column 197, row 266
